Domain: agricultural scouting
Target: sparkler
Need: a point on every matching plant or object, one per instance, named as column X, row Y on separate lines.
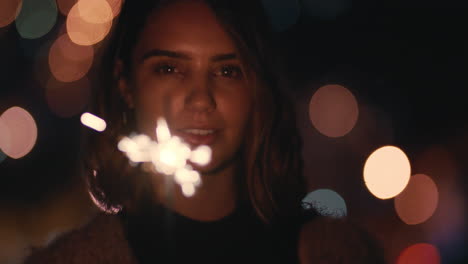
column 169, row 155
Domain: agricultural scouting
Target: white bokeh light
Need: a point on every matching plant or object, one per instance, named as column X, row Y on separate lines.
column 168, row 155
column 201, row 155
column 93, row 122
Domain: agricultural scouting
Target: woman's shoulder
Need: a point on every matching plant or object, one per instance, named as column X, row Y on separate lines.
column 337, row 240
column 102, row 240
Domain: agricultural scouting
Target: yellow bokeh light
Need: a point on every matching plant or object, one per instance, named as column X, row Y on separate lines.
column 95, row 11
column 93, row 122
column 387, row 172
column 421, row 253
column 21, row 129
column 88, row 28
column 9, row 11
column 333, row 110
column 418, row 201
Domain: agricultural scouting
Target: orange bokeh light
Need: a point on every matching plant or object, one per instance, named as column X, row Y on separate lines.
column 387, row 172
column 19, row 132
column 418, row 201
column 65, row 6
column 68, row 99
column 333, row 110
column 421, row 253
column 95, row 11
column 116, row 6
column 9, row 11
column 68, row 61
column 89, row 21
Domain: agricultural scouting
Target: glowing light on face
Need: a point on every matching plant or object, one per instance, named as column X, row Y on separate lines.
column 36, row 18
column 421, row 253
column 8, row 11
column 326, row 202
column 333, row 110
column 418, row 201
column 387, row 172
column 93, row 122
column 19, row 132
column 168, row 155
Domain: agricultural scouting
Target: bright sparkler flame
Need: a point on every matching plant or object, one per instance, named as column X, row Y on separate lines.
column 169, row 155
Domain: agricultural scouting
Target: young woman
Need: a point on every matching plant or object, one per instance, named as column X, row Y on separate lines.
column 206, row 67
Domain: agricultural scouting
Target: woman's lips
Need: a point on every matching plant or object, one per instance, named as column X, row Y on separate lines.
column 196, row 139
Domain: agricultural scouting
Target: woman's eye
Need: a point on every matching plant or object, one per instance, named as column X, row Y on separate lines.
column 230, row 71
column 166, row 69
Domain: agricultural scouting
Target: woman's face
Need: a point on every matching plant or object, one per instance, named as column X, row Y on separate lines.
column 187, row 69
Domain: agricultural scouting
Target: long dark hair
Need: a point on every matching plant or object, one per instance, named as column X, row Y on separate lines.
column 271, row 180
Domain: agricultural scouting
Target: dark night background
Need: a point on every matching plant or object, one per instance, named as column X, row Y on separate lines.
column 408, row 64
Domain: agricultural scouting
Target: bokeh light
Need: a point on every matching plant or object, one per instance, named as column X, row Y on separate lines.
column 36, row 18
column 21, row 129
column 421, row 253
column 333, row 110
column 169, row 155
column 201, row 155
column 188, row 190
column 66, row 5
column 5, row 139
column 89, row 21
column 95, row 11
column 68, row 61
column 93, row 122
column 67, row 99
column 9, row 10
column 326, row 202
column 387, row 172
column 282, row 14
column 116, row 6
column 418, row 201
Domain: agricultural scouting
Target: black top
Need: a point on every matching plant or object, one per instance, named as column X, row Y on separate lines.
column 162, row 236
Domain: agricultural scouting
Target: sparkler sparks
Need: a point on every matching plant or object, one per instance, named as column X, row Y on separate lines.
column 169, row 156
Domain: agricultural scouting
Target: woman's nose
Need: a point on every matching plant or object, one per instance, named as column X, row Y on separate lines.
column 199, row 97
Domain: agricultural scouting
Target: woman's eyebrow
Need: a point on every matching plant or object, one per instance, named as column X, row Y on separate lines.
column 164, row 53
column 221, row 57
column 181, row 55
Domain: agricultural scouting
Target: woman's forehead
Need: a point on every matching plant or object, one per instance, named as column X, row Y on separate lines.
column 186, row 26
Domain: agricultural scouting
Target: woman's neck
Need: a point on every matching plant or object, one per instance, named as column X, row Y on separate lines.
column 214, row 199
